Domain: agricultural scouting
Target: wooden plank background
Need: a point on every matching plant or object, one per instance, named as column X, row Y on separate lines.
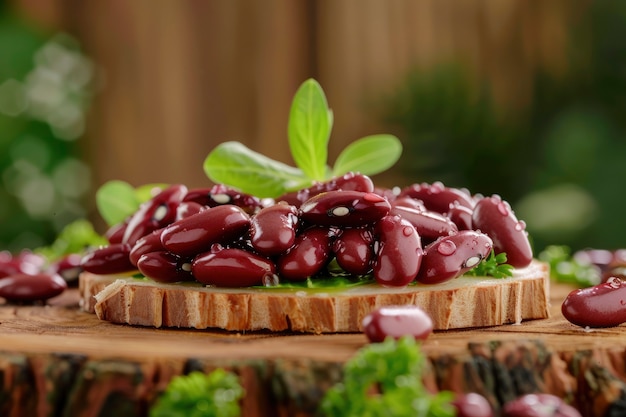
column 178, row 77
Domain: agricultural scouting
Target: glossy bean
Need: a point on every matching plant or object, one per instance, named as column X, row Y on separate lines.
column 273, row 229
column 188, row 208
column 164, row 266
column 397, row 321
column 399, row 252
column 220, row 194
column 115, row 233
column 111, row 259
column 310, row 253
column 68, row 267
column 494, row 216
column 538, row 405
column 461, row 216
column 155, row 213
column 344, row 209
column 148, row 243
column 451, row 256
column 437, row 197
column 232, row 267
column 472, row 404
column 28, row 288
column 599, row 306
column 408, row 202
column 429, row 224
column 348, row 182
column 197, row 233
column 354, row 250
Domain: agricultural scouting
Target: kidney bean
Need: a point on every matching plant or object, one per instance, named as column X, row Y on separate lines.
column 538, row 405
column 111, row 259
column 148, row 243
column 599, row 306
column 220, row 194
column 188, row 208
column 494, row 216
column 115, row 233
column 397, row 321
column 25, row 262
column 472, row 405
column 273, row 229
column 354, row 250
column 28, row 288
column 196, row 233
column 408, row 202
column 344, row 209
column 68, row 267
column 437, row 197
column 451, row 256
column 231, row 267
column 429, row 224
column 348, row 182
column 461, row 216
column 310, row 253
column 399, row 252
column 165, row 267
column 155, row 213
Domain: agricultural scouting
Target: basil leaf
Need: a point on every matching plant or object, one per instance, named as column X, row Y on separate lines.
column 238, row 166
column 310, row 123
column 369, row 155
column 115, row 201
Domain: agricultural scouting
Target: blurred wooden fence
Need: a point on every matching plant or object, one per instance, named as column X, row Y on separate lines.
column 181, row 76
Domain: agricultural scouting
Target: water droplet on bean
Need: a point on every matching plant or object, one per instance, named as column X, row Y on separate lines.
column 408, row 231
column 446, row 248
column 520, row 225
column 503, row 208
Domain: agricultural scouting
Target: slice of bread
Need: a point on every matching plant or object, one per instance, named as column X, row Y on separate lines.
column 464, row 302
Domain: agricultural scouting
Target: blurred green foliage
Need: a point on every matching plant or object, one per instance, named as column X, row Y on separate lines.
column 561, row 163
column 44, row 90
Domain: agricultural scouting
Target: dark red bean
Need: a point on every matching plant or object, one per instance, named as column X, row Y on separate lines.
column 220, row 194
column 115, row 233
column 112, row 259
column 155, row 213
column 188, row 208
column 494, row 216
column 451, row 256
column 309, row 255
column 197, row 233
column 23, row 262
column 461, row 216
column 429, row 224
column 408, row 202
column 347, row 182
column 354, row 250
column 273, row 229
column 538, row 405
column 397, row 321
column 10, row 267
column 165, row 267
column 28, row 288
column 68, row 267
column 602, row 305
column 399, row 253
column 148, row 243
column 232, row 267
column 437, row 197
column 472, row 405
column 344, row 209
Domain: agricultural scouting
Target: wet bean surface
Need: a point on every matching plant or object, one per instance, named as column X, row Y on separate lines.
column 603, row 305
column 396, row 322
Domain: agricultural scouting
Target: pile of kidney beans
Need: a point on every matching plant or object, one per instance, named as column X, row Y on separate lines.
column 427, row 233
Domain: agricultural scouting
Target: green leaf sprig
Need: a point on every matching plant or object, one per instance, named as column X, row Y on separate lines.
column 394, row 369
column 492, row 266
column 216, row 394
column 566, row 269
column 309, row 127
column 116, row 200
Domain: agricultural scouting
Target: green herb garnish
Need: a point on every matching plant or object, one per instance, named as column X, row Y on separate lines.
column 394, row 369
column 76, row 237
column 200, row 395
column 492, row 266
column 308, row 130
column 116, row 200
column 564, row 268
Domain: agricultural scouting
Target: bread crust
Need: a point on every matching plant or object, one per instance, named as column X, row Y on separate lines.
column 464, row 302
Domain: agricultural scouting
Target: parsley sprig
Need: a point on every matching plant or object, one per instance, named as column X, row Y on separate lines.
column 492, row 266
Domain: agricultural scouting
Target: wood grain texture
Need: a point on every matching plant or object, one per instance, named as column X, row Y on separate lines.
column 466, row 302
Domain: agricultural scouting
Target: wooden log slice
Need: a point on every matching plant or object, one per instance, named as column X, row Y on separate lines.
column 465, row 302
